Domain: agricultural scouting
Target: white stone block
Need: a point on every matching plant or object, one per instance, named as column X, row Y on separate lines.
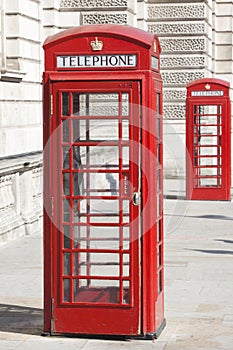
column 20, row 114
column 51, row 4
column 27, row 7
column 223, row 67
column 23, row 48
column 12, row 25
column 33, row 69
column 20, row 26
column 223, row 24
column 51, row 17
column 142, row 10
column 223, row 9
column 47, row 31
column 23, row 140
column 223, row 38
column 223, row 52
column 69, row 19
column 22, row 91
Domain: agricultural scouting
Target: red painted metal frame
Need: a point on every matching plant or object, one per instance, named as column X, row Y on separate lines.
column 147, row 318
column 110, row 313
column 221, row 154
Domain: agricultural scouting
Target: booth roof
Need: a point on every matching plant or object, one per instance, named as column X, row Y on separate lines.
column 109, row 30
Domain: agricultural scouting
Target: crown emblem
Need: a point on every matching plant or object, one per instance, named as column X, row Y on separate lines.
column 207, row 86
column 96, row 45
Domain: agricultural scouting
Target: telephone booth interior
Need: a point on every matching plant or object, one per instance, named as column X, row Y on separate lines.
column 103, row 187
column 208, row 140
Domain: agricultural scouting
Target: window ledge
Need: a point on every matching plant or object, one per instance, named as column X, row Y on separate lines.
column 13, row 76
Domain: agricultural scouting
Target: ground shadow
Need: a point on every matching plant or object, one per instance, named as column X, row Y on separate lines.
column 217, row 217
column 213, row 251
column 21, row 319
column 224, row 240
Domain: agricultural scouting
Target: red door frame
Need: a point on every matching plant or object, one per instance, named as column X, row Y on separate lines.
column 207, row 89
column 95, row 321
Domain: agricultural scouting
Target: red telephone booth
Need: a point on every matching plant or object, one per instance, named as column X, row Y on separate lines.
column 103, row 189
column 208, row 140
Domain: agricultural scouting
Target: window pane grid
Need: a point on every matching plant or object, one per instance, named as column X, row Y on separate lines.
column 87, row 276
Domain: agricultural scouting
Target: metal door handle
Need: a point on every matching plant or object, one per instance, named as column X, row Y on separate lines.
column 136, row 198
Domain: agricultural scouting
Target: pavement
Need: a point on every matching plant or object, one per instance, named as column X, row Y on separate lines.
column 198, row 284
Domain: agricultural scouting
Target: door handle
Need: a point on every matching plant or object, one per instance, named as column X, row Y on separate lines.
column 136, row 198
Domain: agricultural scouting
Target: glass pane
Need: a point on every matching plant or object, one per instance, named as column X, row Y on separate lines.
column 208, row 140
column 78, row 131
column 103, row 206
column 159, row 231
column 159, row 180
column 158, row 153
column 126, row 238
column 104, row 184
column 212, row 130
column 66, row 157
column 125, row 104
column 65, row 104
column 209, row 171
column 96, row 104
column 158, row 128
column 65, row 131
column 66, row 289
column 80, row 264
column 125, row 207
column 126, row 265
column 66, row 263
column 104, row 130
column 78, row 184
column 212, row 151
column 80, row 237
column 209, row 161
column 126, row 292
column 125, row 156
column 96, row 291
column 104, row 104
column 100, row 156
column 208, row 182
column 105, row 218
column 160, row 281
column 125, row 129
column 76, row 103
column 66, row 210
column 66, row 232
column 208, row 109
column 104, row 264
column 66, row 184
column 159, row 256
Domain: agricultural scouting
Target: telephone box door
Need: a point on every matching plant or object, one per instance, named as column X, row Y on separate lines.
column 95, row 240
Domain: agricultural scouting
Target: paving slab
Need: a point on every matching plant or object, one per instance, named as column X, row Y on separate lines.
column 198, row 286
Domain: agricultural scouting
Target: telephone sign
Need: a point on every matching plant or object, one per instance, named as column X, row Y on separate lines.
column 103, row 182
column 208, row 140
column 94, row 61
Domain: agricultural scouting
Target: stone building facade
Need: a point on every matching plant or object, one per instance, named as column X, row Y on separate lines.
column 196, row 40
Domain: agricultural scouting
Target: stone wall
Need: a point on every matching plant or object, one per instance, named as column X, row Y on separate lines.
column 20, row 118
column 20, row 197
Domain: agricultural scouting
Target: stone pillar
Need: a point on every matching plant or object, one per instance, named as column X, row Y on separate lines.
column 185, row 33
column 223, row 45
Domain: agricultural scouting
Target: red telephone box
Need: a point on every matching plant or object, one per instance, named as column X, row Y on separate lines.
column 208, row 140
column 103, row 188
